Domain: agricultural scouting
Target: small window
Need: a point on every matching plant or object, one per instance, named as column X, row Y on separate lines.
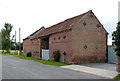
column 85, row 47
column 53, row 53
column 64, row 37
column 58, row 38
column 98, row 25
column 91, row 16
column 64, row 53
column 84, row 23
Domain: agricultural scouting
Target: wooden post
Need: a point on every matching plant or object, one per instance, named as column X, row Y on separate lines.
column 19, row 40
column 15, row 42
column 118, row 63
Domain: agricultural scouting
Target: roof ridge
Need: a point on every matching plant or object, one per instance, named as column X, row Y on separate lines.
column 69, row 19
column 62, row 26
column 42, row 28
column 36, row 31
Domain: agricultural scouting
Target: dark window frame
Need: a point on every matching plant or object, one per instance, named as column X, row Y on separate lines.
column 84, row 23
column 64, row 37
column 58, row 38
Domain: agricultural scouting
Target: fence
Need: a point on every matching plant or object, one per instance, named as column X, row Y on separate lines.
column 111, row 54
column 11, row 51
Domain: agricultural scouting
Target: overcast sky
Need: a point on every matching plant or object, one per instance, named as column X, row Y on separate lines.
column 30, row 15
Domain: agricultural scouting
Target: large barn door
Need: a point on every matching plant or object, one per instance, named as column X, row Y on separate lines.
column 45, row 48
column 45, row 54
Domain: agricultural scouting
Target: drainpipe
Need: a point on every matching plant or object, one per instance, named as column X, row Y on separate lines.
column 40, row 48
column 106, row 48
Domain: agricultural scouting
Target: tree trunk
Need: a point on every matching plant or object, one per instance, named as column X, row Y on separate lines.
column 2, row 51
column 118, row 63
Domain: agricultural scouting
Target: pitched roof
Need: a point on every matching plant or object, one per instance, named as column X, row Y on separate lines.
column 64, row 25
column 35, row 33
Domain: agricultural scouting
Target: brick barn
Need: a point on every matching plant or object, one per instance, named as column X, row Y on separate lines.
column 81, row 39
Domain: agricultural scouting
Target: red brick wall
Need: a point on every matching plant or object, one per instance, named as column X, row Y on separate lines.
column 83, row 44
column 36, row 47
column 118, row 63
column 62, row 44
column 27, row 46
column 89, row 41
column 33, row 46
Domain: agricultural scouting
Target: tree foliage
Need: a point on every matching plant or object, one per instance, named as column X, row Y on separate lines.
column 0, row 40
column 17, row 46
column 6, row 40
column 116, row 38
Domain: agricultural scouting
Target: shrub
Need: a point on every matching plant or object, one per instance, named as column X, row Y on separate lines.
column 57, row 56
column 28, row 54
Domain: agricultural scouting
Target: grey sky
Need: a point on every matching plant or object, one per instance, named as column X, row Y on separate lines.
column 119, row 11
column 30, row 15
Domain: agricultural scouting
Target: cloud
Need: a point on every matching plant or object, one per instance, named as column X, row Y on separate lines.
column 119, row 11
column 30, row 15
column 109, row 25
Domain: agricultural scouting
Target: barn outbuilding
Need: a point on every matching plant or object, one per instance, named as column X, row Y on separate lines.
column 80, row 39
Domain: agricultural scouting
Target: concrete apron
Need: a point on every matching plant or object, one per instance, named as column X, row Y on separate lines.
column 95, row 71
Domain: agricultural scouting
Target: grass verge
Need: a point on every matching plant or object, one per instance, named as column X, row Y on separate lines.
column 117, row 77
column 49, row 62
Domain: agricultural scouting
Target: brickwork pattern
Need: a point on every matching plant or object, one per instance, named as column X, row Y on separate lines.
column 89, row 41
column 62, row 42
column 81, row 39
column 118, row 63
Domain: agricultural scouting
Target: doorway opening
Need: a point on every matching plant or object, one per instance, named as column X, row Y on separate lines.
column 45, row 47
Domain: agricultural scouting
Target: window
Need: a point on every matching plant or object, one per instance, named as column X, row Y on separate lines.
column 84, row 23
column 91, row 15
column 53, row 53
column 64, row 37
column 98, row 25
column 85, row 47
column 64, row 53
column 58, row 38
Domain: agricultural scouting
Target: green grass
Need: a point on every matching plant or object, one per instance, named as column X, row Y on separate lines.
column 26, row 58
column 5, row 54
column 49, row 62
column 117, row 77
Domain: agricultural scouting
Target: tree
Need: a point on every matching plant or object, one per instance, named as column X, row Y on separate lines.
column 17, row 46
column 0, row 40
column 116, row 38
column 6, row 41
